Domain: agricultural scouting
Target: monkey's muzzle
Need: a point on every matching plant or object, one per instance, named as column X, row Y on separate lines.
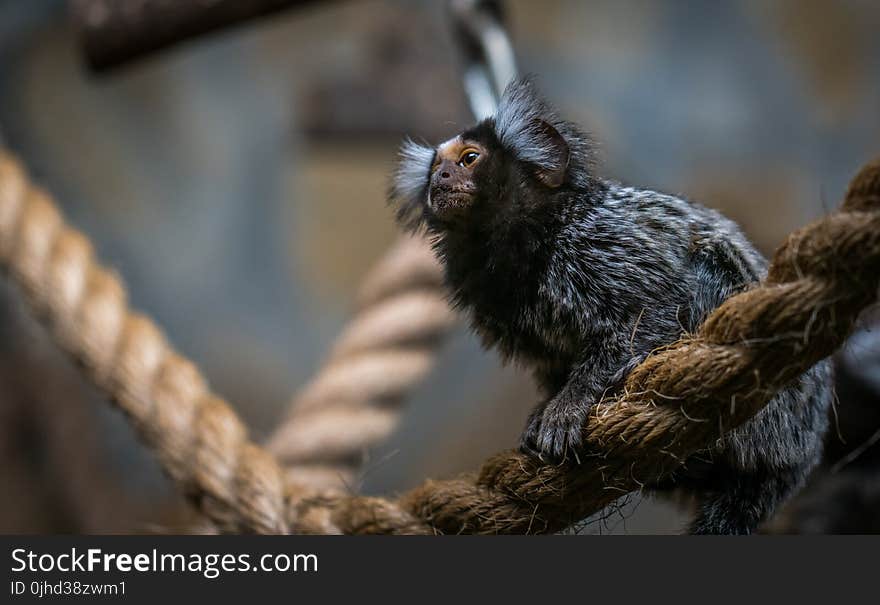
column 449, row 203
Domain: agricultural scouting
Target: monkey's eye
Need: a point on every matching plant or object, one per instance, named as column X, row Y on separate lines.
column 468, row 158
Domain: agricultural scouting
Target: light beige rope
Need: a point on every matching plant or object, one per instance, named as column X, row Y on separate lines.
column 199, row 440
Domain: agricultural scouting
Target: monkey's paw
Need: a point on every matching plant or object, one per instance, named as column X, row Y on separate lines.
column 528, row 441
column 554, row 432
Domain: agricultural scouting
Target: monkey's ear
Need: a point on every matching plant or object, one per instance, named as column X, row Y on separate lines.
column 555, row 155
column 524, row 125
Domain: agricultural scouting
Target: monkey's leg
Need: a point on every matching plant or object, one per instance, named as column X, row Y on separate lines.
column 743, row 501
column 562, row 418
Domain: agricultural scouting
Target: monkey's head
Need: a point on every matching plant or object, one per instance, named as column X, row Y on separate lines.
column 505, row 166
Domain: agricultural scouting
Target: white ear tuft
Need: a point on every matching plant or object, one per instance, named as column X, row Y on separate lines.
column 531, row 130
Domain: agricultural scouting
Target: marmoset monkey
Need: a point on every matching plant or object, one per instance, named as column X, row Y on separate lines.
column 580, row 278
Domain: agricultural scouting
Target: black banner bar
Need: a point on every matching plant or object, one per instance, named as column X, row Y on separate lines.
column 414, row 569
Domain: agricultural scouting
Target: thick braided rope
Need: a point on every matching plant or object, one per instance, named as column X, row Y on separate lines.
column 355, row 401
column 679, row 401
column 199, row 440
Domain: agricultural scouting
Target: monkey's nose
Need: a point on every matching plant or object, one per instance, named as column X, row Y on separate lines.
column 445, row 175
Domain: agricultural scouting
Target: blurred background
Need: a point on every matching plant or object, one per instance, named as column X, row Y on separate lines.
column 237, row 183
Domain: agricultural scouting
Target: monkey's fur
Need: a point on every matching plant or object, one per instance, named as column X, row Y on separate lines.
column 580, row 278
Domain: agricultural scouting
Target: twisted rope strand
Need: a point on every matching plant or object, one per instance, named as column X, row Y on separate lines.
column 355, row 401
column 199, row 440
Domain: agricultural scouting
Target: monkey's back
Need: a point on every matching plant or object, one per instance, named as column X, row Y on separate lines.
column 618, row 269
column 708, row 254
column 631, row 269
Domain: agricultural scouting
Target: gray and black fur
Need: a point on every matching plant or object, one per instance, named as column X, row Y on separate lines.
column 581, row 280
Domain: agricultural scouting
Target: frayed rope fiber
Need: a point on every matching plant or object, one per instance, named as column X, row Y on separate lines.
column 678, row 401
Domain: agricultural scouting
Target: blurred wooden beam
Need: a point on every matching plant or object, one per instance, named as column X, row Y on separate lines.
column 116, row 32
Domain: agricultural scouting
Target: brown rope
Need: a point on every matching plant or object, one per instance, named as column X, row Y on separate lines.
column 678, row 401
column 355, row 401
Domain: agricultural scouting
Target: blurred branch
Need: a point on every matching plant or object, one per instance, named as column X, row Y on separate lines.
column 116, row 32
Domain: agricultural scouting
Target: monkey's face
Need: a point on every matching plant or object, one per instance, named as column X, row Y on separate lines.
column 469, row 179
column 453, row 186
column 502, row 170
column 442, row 187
